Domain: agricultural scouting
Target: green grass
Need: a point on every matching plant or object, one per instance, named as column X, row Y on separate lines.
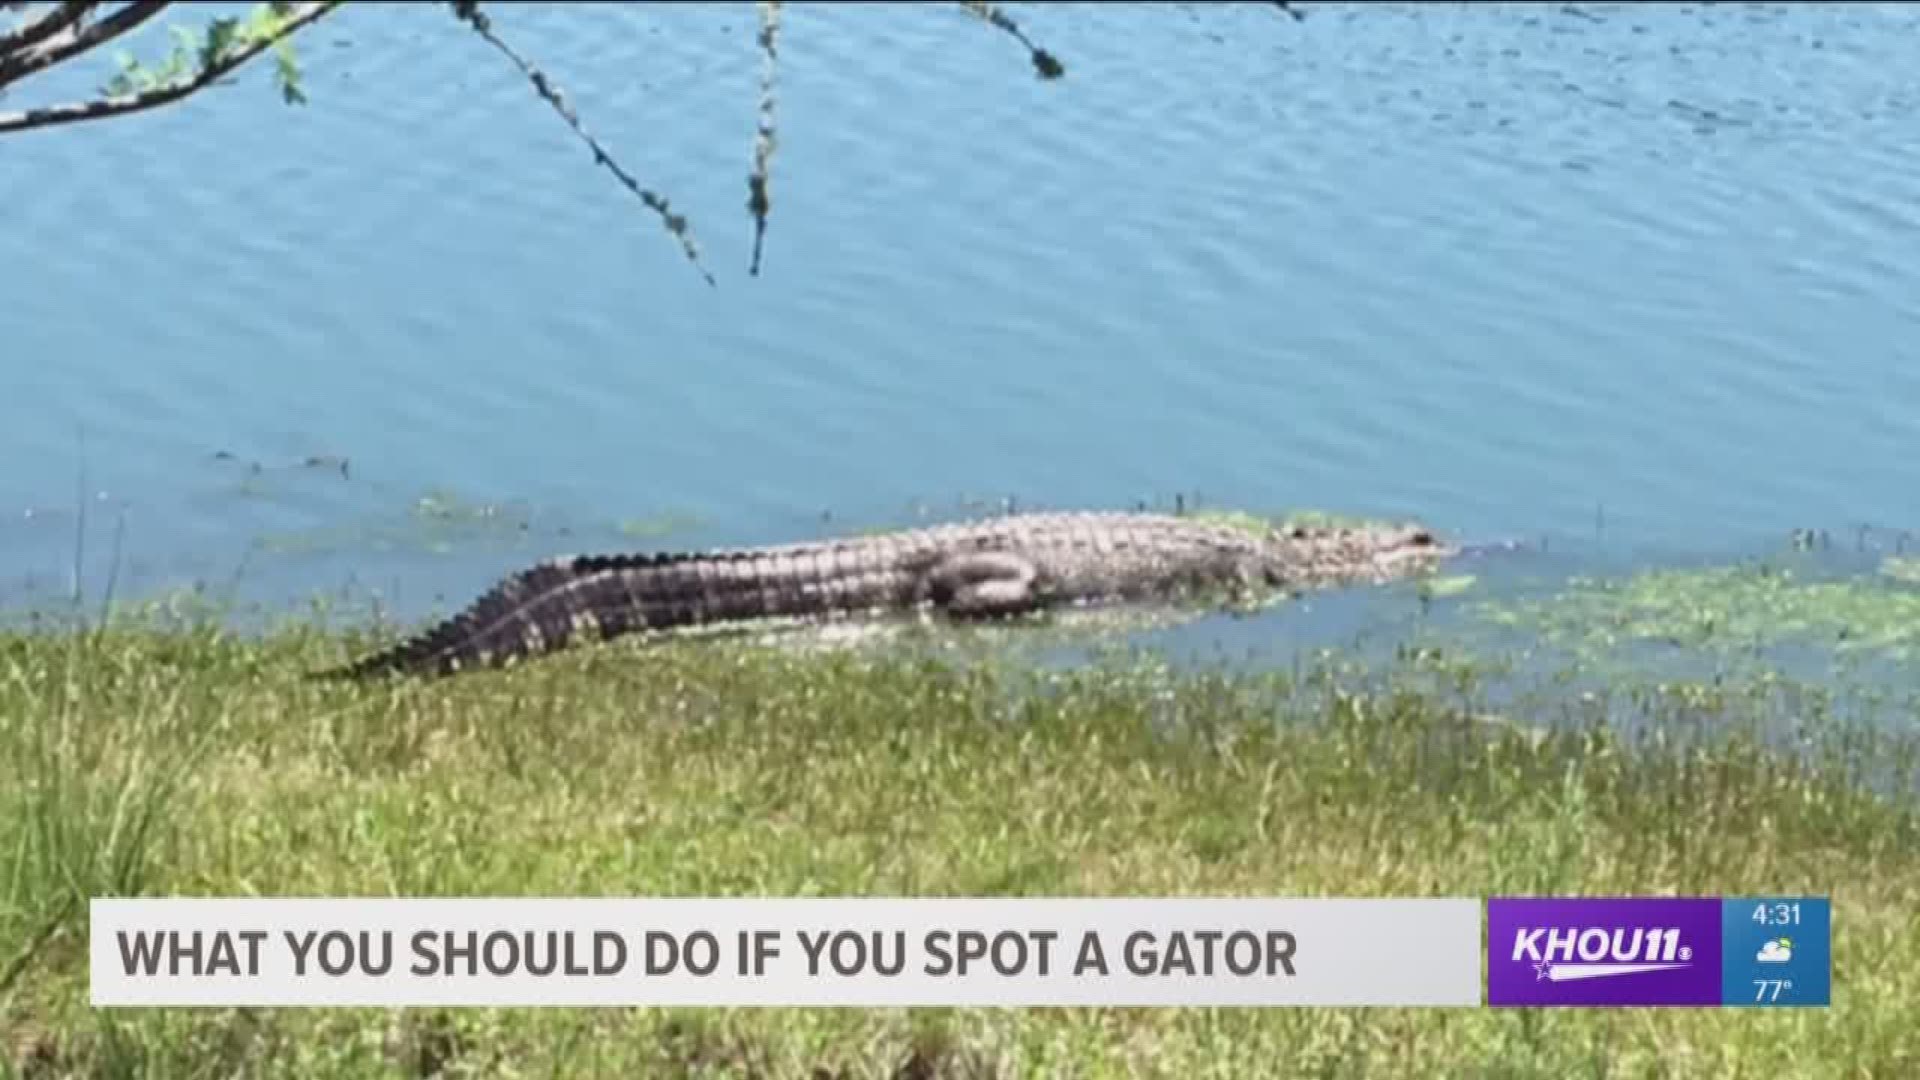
column 186, row 762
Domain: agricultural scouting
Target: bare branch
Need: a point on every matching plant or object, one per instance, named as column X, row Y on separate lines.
column 1045, row 63
column 468, row 11
column 298, row 16
column 76, row 39
column 758, row 202
column 43, row 27
column 1283, row 5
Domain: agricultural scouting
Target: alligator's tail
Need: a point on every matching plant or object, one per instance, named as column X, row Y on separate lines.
column 545, row 608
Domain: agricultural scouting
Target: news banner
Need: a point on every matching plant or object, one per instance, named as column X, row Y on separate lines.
column 1758, row 952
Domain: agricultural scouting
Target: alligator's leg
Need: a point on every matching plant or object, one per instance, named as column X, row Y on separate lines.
column 985, row 585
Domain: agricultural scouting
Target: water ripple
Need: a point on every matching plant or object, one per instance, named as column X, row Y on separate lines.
column 1494, row 265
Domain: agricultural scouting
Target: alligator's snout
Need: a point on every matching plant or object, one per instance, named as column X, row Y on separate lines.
column 1425, row 543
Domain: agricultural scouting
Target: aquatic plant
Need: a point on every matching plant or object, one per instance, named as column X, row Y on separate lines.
column 1742, row 607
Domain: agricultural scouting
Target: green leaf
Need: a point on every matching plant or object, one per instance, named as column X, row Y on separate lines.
column 287, row 67
column 221, row 36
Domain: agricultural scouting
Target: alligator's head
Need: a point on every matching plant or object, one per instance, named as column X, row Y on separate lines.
column 1310, row 555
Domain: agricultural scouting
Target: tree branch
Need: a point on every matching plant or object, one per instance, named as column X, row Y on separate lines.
column 1045, row 63
column 75, row 40
column 764, row 139
column 43, row 27
column 468, row 11
column 298, row 16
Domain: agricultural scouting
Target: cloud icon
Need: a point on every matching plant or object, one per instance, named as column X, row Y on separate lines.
column 1777, row 951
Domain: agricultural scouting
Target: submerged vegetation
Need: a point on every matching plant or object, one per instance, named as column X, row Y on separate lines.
column 181, row 759
column 1751, row 608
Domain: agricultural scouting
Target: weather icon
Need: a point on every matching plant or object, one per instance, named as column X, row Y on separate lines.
column 1777, row 951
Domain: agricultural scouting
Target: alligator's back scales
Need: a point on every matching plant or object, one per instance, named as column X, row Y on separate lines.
column 996, row 567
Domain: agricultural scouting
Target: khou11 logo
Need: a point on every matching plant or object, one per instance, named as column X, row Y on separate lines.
column 1700, row 951
column 1622, row 952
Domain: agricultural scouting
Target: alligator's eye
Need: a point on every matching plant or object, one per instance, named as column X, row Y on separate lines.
column 1299, row 532
column 1423, row 538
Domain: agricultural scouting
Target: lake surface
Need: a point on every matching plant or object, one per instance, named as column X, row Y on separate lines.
column 1646, row 274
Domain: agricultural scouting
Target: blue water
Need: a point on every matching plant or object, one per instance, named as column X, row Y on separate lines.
column 1647, row 272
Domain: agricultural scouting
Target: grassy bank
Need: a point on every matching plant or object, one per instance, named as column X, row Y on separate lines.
column 185, row 762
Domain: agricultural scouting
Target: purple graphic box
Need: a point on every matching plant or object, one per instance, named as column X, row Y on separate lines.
column 1603, row 951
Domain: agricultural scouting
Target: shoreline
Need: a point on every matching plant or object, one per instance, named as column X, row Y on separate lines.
column 183, row 761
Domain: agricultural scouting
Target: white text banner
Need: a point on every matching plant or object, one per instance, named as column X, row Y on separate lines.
column 786, row 952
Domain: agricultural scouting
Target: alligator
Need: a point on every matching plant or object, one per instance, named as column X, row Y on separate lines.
column 995, row 568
